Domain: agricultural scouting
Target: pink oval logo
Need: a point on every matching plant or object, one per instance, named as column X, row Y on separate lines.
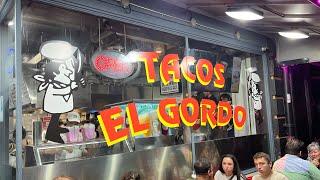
column 112, row 64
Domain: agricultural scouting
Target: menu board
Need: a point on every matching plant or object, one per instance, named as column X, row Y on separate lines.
column 170, row 88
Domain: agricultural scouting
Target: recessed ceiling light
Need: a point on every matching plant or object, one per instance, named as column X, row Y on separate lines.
column 247, row 14
column 294, row 34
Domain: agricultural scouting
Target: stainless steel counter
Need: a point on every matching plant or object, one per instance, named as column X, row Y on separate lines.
column 171, row 162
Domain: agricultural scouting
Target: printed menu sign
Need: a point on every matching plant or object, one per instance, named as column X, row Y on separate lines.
column 170, row 88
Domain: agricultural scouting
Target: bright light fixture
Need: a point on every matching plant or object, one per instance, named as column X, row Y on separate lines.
column 294, row 34
column 246, row 14
column 10, row 23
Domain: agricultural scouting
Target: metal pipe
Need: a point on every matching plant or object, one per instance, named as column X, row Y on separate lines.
column 157, row 12
column 244, row 3
column 293, row 118
column 180, row 19
column 187, row 136
column 18, row 74
column 308, row 104
column 286, row 90
column 264, row 7
column 267, row 97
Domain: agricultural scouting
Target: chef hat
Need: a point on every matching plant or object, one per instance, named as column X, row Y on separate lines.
column 57, row 50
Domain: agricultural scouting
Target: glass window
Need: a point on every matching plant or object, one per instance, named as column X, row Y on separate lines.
column 243, row 75
column 7, row 94
column 74, row 66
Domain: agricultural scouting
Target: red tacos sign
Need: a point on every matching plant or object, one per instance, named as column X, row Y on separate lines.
column 169, row 112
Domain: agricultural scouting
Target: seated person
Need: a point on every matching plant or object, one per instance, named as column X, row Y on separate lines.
column 229, row 169
column 202, row 169
column 314, row 154
column 263, row 165
column 294, row 167
column 12, row 147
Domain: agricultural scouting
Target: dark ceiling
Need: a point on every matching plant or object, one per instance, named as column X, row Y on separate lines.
column 279, row 15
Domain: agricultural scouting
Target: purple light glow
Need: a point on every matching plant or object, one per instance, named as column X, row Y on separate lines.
column 315, row 2
column 285, row 69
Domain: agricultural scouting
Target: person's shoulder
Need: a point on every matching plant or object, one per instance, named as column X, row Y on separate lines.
column 278, row 175
column 256, row 177
column 218, row 174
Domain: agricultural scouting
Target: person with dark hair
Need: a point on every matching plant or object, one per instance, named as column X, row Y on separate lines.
column 131, row 175
column 202, row 169
column 292, row 166
column 263, row 165
column 225, row 97
column 229, row 169
column 230, row 129
column 206, row 95
column 24, row 134
column 12, row 146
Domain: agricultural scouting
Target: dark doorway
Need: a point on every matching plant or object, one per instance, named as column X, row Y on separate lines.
column 304, row 82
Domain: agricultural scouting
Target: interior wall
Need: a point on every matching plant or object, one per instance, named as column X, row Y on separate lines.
column 288, row 49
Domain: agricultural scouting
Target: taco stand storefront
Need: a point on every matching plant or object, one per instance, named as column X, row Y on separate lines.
column 90, row 37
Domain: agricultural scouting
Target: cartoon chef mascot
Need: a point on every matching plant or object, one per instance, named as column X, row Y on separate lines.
column 254, row 90
column 62, row 76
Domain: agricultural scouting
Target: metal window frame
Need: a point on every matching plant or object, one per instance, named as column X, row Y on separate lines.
column 206, row 31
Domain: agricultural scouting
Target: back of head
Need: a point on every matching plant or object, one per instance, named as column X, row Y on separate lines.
column 201, row 167
column 24, row 133
column 294, row 146
column 225, row 97
column 262, row 155
column 313, row 146
column 131, row 175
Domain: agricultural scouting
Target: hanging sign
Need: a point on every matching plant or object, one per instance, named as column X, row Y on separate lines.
column 112, row 64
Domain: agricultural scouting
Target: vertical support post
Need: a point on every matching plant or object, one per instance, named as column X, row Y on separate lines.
column 267, row 96
column 187, row 130
column 4, row 99
column 286, row 90
column 18, row 78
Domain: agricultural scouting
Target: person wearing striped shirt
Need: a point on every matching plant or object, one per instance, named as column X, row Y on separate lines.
column 294, row 167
